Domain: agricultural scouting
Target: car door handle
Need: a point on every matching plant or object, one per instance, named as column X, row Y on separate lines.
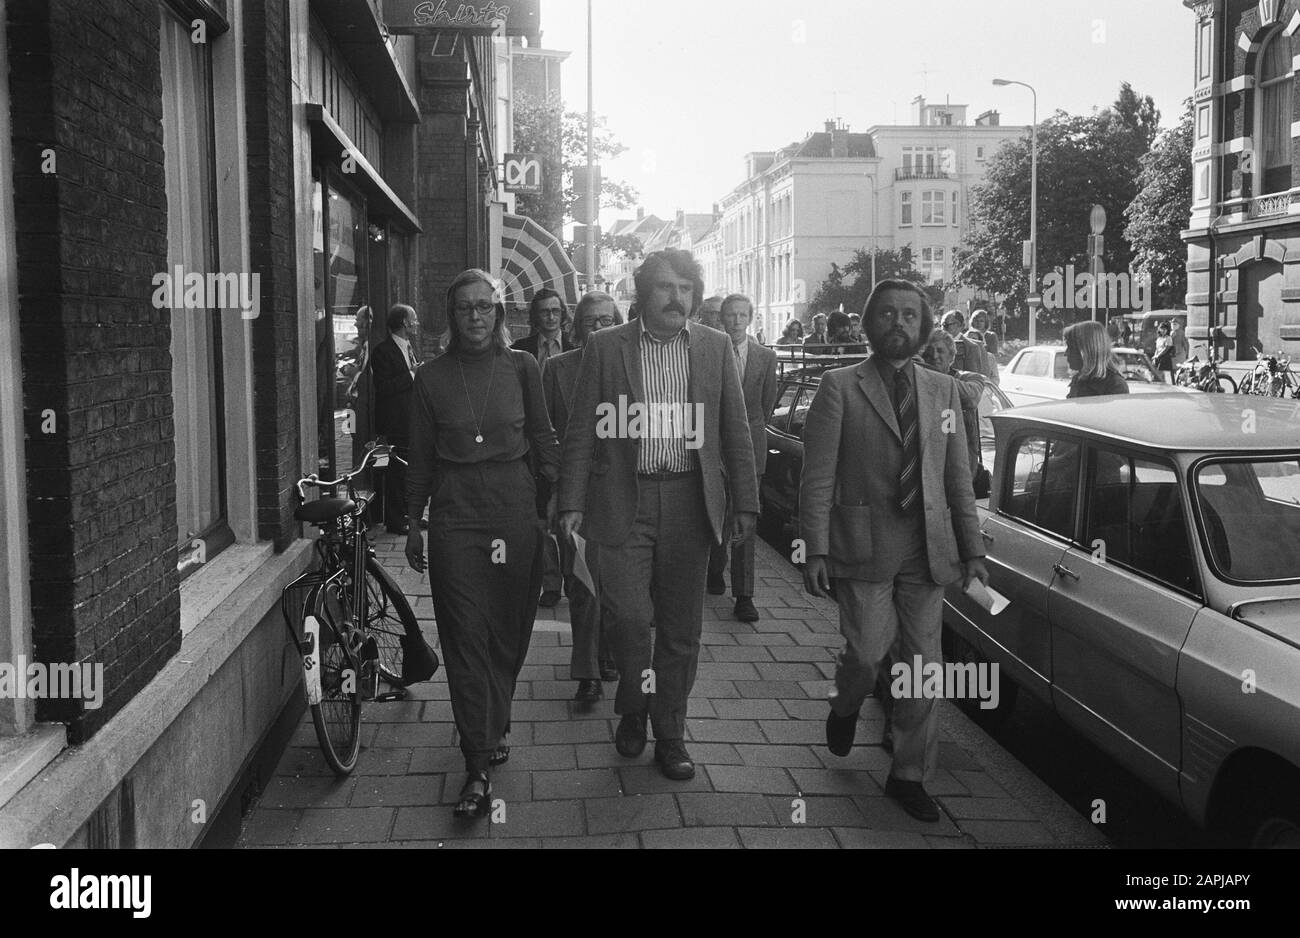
column 1063, row 570
column 774, row 452
column 987, row 536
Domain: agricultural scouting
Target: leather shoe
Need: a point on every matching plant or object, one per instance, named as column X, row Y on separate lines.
column 744, row 610
column 549, row 599
column 402, row 528
column 589, row 691
column 629, row 738
column 717, row 585
column 608, row 671
column 840, row 732
column 674, row 761
column 912, row 798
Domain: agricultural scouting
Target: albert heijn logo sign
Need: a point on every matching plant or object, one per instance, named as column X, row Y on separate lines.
column 518, row 17
column 523, row 173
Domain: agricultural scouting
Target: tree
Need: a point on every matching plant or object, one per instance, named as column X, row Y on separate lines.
column 622, row 245
column 850, row 285
column 1161, row 210
column 1082, row 160
column 559, row 137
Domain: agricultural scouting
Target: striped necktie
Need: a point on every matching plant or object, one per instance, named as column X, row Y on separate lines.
column 909, row 478
column 411, row 359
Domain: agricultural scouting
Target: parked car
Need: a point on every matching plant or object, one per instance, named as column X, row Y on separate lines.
column 779, row 487
column 1150, row 548
column 1040, row 373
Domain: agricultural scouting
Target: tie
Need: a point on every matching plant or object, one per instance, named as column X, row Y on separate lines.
column 410, row 355
column 909, row 478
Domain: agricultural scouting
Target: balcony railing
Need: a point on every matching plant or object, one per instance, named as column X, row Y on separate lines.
column 920, row 174
column 1266, row 206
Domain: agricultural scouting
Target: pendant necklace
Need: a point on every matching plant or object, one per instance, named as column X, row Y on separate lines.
column 478, row 427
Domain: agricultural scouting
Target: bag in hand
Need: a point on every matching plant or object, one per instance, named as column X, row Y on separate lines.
column 982, row 481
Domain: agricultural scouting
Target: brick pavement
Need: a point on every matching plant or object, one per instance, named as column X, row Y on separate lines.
column 764, row 777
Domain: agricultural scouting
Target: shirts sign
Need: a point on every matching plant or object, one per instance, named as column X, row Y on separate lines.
column 523, row 173
column 518, row 17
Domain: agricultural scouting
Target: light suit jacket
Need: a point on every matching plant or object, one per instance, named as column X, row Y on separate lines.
column 852, row 457
column 598, row 476
column 759, row 386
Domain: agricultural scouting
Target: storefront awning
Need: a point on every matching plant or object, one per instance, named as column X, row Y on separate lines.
column 330, row 142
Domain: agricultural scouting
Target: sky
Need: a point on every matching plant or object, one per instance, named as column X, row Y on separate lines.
column 691, row 86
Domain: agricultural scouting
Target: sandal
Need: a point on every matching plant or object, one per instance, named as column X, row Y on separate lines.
column 474, row 803
column 501, row 754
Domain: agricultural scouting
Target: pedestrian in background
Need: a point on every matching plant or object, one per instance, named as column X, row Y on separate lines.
column 979, row 324
column 1088, row 353
column 710, row 313
column 792, row 334
column 393, row 364
column 1179, row 336
column 888, row 518
column 1163, row 360
column 654, row 494
column 482, row 446
column 855, row 329
column 971, row 355
column 757, row 367
column 591, row 659
column 818, row 334
column 549, row 315
column 939, row 354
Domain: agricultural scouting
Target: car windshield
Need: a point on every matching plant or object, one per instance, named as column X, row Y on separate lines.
column 1251, row 513
column 1134, row 367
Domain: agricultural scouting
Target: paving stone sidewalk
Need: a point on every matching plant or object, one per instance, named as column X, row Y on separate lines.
column 764, row 777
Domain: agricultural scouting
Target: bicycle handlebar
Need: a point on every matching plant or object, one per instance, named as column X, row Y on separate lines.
column 373, row 451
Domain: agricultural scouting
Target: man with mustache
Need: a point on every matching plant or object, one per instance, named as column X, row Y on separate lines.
column 888, row 516
column 655, row 498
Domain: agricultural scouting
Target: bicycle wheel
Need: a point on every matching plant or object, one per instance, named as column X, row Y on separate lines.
column 1225, row 384
column 334, row 694
column 388, row 617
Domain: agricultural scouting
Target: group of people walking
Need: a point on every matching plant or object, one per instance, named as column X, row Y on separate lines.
column 537, row 478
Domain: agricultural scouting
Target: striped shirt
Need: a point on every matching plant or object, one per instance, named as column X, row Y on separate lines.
column 666, row 370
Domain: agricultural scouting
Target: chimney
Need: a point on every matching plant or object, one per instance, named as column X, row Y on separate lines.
column 830, row 126
column 681, row 219
column 840, row 140
column 716, row 213
column 989, row 119
column 918, row 110
column 640, row 213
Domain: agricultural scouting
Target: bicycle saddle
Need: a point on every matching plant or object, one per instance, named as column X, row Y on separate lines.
column 324, row 510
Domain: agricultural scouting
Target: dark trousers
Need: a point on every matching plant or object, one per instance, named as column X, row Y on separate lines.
column 742, row 564
column 484, row 569
column 552, row 578
column 655, row 578
column 590, row 636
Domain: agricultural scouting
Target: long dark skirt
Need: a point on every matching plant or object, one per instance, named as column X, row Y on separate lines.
column 485, row 568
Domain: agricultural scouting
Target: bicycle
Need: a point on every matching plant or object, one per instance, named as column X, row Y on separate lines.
column 343, row 663
column 1272, row 377
column 1204, row 376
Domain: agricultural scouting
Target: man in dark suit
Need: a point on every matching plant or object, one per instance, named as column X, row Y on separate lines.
column 887, row 514
column 591, row 661
column 393, row 365
column 757, row 367
column 657, row 442
column 548, row 314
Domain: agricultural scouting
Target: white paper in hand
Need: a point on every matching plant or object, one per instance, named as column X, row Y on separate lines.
column 580, row 568
column 987, row 597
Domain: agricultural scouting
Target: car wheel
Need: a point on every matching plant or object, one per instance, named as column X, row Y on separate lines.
column 1273, row 820
column 957, row 650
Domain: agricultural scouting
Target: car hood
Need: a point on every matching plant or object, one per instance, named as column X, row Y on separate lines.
column 1278, row 617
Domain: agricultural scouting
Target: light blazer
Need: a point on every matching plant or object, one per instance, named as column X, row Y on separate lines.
column 852, row 456
column 559, row 378
column 759, row 385
column 598, row 476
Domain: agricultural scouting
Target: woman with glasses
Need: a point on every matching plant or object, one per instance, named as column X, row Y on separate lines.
column 481, row 445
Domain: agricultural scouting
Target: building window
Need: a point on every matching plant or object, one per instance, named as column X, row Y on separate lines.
column 955, row 197
column 932, row 264
column 920, row 161
column 189, row 161
column 979, row 153
column 1273, row 113
column 905, row 210
column 932, row 207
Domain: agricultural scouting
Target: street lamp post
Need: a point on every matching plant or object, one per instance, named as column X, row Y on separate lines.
column 875, row 225
column 1033, row 203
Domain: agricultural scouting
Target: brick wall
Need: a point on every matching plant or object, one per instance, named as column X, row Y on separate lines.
column 85, row 83
column 271, row 220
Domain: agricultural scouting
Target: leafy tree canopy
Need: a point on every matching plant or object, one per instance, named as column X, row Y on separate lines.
column 850, row 285
column 1161, row 209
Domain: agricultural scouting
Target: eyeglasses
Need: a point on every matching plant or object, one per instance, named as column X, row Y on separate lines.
column 602, row 322
column 482, row 307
